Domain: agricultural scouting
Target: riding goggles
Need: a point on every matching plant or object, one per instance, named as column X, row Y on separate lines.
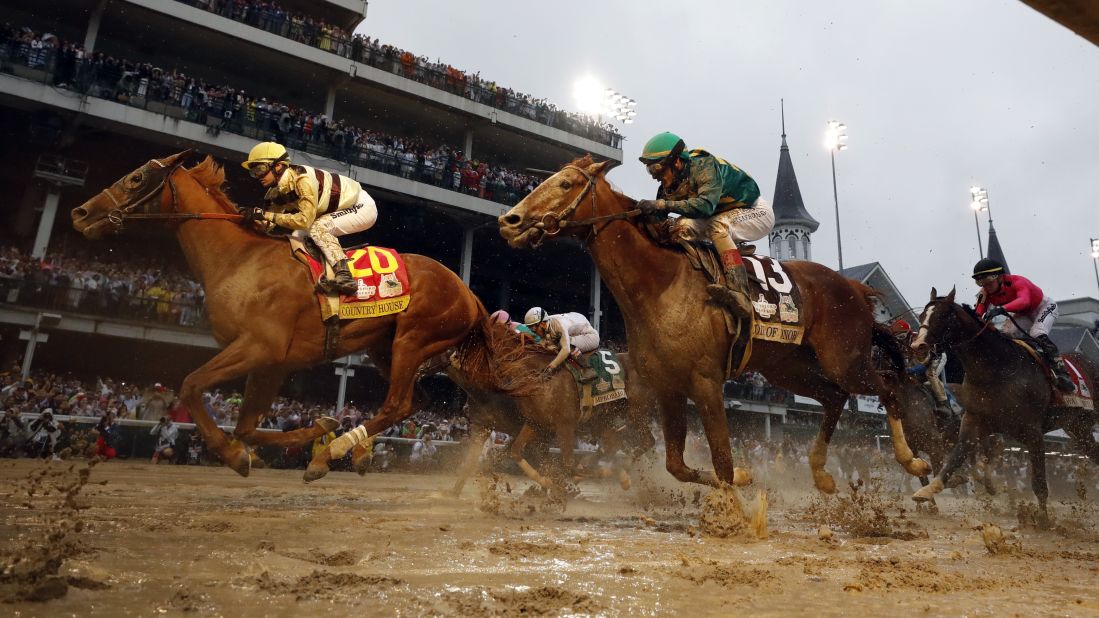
column 259, row 170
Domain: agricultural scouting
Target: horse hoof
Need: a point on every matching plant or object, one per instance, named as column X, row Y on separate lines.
column 824, row 482
column 361, row 464
column 742, row 477
column 927, row 494
column 314, row 472
column 327, row 423
column 918, row 467
column 239, row 461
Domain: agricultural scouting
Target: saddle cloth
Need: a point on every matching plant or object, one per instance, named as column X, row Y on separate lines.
column 601, row 380
column 381, row 276
column 1080, row 397
column 774, row 295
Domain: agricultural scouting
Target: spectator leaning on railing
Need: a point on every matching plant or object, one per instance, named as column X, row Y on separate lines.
column 224, row 108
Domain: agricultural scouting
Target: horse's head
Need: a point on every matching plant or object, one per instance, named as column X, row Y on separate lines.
column 139, row 191
column 561, row 199
column 940, row 326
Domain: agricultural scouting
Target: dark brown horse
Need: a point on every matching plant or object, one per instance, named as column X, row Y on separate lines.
column 678, row 340
column 264, row 313
column 1004, row 391
column 554, row 411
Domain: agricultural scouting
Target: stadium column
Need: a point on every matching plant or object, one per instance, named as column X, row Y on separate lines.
column 767, row 425
column 468, row 151
column 45, row 224
column 94, row 20
column 330, row 102
column 596, row 298
column 467, row 251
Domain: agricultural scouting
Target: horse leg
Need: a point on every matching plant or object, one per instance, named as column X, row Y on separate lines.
column 674, row 424
column 518, row 444
column 1037, row 447
column 408, row 354
column 477, row 437
column 1080, row 433
column 901, row 451
column 833, row 403
column 259, row 391
column 238, row 358
column 968, row 436
column 711, row 408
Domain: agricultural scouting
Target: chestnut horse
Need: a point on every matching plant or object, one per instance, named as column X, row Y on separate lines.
column 263, row 310
column 1004, row 391
column 678, row 340
column 553, row 411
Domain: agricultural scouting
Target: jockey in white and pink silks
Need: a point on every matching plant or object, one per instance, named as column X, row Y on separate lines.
column 563, row 331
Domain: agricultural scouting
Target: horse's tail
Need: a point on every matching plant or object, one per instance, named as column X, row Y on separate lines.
column 887, row 343
column 491, row 359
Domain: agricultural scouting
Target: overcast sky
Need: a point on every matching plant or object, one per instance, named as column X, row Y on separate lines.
column 937, row 96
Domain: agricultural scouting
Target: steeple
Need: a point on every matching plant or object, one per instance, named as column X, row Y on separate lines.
column 994, row 250
column 793, row 223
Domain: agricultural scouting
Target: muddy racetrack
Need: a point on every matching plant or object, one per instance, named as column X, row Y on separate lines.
column 130, row 539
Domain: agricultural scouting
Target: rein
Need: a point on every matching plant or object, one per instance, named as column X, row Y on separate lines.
column 125, row 210
column 553, row 223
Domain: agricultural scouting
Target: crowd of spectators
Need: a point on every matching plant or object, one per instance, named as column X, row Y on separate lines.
column 316, row 32
column 48, row 395
column 77, row 281
column 227, row 108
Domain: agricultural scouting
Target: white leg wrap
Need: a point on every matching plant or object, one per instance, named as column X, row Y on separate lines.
column 341, row 445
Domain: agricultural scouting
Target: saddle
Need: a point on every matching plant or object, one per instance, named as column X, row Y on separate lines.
column 1080, row 397
column 600, row 379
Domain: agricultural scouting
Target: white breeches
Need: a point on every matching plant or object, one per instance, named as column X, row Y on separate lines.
column 1037, row 324
column 588, row 342
column 358, row 218
column 738, row 224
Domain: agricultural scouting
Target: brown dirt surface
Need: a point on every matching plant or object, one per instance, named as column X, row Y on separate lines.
column 178, row 540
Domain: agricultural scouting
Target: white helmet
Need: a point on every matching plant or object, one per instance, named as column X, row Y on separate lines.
column 536, row 315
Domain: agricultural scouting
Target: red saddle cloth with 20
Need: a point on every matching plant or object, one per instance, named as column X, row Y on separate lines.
column 382, row 279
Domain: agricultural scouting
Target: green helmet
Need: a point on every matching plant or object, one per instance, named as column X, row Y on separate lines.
column 663, row 146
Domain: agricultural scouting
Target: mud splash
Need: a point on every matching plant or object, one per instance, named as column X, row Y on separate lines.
column 722, row 514
column 30, row 571
column 863, row 512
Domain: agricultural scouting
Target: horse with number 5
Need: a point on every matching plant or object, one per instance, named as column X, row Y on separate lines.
column 264, row 312
column 679, row 341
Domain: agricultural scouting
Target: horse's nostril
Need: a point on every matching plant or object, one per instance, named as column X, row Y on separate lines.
column 79, row 213
column 511, row 220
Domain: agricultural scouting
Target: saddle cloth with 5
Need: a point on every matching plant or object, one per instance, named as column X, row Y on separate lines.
column 380, row 274
column 605, row 383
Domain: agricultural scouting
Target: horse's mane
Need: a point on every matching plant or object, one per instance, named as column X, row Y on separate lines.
column 491, row 357
column 211, row 176
column 587, row 161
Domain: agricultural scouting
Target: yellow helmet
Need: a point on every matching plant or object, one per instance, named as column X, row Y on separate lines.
column 266, row 152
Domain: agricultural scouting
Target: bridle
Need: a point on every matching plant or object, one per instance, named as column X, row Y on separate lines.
column 939, row 345
column 552, row 223
column 151, row 182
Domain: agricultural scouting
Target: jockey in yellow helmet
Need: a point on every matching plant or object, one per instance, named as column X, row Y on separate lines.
column 311, row 202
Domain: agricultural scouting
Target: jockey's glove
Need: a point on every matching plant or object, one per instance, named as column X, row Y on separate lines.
column 994, row 311
column 252, row 213
column 651, row 206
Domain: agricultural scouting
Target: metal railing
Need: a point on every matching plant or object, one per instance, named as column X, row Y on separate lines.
column 404, row 64
column 142, row 307
column 112, row 81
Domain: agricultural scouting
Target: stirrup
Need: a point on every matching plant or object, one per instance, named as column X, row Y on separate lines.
column 728, row 299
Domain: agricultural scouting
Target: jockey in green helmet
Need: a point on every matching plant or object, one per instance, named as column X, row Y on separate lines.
column 714, row 197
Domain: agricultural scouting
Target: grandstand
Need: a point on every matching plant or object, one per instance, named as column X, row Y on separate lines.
column 90, row 89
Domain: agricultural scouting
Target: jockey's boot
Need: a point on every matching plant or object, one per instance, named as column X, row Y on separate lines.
column 342, row 283
column 734, row 294
column 1060, row 374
